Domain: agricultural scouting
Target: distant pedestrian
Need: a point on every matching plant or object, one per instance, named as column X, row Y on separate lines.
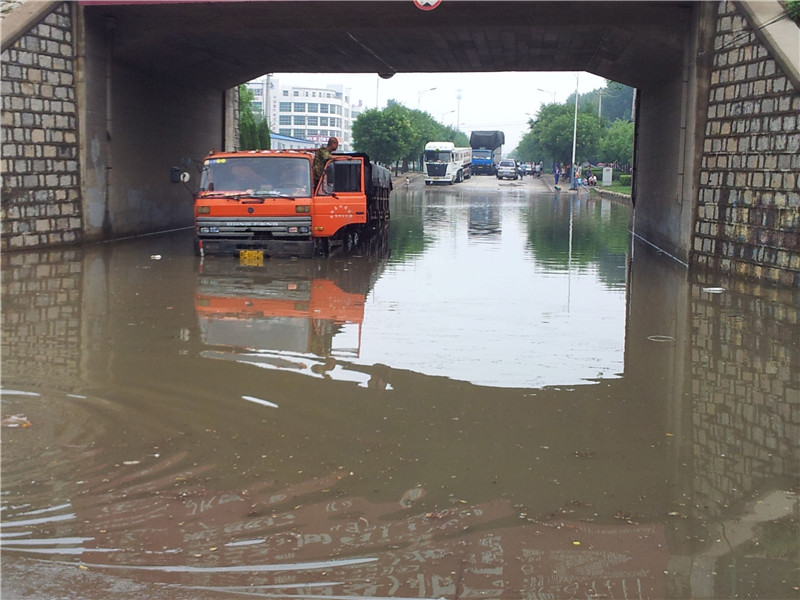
column 557, row 173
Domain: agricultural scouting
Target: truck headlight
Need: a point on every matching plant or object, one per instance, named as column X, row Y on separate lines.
column 203, row 210
column 302, row 208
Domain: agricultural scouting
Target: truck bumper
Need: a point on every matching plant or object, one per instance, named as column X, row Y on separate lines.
column 278, row 248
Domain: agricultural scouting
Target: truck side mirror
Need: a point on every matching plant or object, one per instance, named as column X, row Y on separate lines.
column 178, row 175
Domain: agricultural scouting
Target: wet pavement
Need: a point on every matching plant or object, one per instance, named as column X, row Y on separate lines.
column 502, row 396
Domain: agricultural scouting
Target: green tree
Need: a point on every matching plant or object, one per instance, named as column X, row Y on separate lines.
column 608, row 139
column 262, row 129
column 398, row 133
column 553, row 129
column 422, row 125
column 793, row 9
column 383, row 135
column 611, row 102
column 248, row 136
column 459, row 138
column 617, row 145
column 530, row 150
column 253, row 129
column 617, row 102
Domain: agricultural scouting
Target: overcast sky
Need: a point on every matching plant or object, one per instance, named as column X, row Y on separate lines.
column 488, row 100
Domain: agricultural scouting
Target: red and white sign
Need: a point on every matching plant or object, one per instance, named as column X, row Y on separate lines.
column 427, row 4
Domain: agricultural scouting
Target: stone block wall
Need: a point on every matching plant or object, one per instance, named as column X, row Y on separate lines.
column 41, row 296
column 747, row 220
column 41, row 202
column 745, row 392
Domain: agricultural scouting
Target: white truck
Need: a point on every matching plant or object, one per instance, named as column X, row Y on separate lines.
column 445, row 163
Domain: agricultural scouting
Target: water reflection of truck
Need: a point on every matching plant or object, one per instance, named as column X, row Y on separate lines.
column 300, row 316
column 484, row 217
column 487, row 150
column 445, row 163
column 258, row 203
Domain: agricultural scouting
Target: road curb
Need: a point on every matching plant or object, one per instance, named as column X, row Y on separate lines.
column 619, row 197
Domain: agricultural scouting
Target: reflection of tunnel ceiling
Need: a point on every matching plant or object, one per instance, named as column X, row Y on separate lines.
column 226, row 43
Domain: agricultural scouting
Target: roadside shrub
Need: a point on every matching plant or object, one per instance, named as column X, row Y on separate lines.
column 624, row 179
column 793, row 8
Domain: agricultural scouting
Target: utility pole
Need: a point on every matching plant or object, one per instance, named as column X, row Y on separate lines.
column 600, row 104
column 458, row 110
column 266, row 109
column 572, row 185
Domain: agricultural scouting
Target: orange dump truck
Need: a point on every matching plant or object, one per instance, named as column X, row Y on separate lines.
column 265, row 203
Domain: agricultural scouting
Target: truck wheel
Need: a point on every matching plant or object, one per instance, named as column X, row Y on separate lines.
column 321, row 247
column 349, row 240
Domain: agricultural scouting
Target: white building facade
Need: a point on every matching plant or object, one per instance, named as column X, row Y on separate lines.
column 309, row 113
column 285, row 142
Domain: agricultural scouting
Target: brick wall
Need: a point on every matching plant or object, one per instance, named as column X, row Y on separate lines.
column 41, row 326
column 40, row 170
column 748, row 209
column 745, row 392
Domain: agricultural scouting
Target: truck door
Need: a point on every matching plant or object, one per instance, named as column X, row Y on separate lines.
column 340, row 198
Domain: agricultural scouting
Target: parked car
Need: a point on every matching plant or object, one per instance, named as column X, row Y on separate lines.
column 507, row 168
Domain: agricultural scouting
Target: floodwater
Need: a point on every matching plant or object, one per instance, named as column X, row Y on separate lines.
column 503, row 396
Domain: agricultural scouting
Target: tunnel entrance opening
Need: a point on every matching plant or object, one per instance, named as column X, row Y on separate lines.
column 534, row 110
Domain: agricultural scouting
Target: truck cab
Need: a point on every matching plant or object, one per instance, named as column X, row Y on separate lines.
column 445, row 163
column 266, row 203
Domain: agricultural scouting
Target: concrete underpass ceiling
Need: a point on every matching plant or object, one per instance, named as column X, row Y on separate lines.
column 223, row 44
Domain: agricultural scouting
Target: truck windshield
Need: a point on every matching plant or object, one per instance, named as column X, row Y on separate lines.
column 481, row 154
column 433, row 156
column 261, row 175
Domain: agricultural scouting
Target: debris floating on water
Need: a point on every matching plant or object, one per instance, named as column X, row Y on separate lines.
column 661, row 338
column 5, row 392
column 16, row 421
column 260, row 401
column 410, row 497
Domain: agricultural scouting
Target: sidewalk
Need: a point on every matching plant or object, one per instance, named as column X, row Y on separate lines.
column 595, row 189
column 414, row 177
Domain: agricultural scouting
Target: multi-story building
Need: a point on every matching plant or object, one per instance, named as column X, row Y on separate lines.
column 309, row 113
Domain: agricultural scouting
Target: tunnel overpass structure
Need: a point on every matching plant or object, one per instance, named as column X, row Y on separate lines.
column 102, row 98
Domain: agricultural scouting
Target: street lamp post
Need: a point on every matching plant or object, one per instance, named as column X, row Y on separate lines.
column 547, row 92
column 572, row 185
column 446, row 113
column 458, row 108
column 419, row 95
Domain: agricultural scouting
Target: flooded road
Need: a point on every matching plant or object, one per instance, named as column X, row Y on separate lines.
column 501, row 396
